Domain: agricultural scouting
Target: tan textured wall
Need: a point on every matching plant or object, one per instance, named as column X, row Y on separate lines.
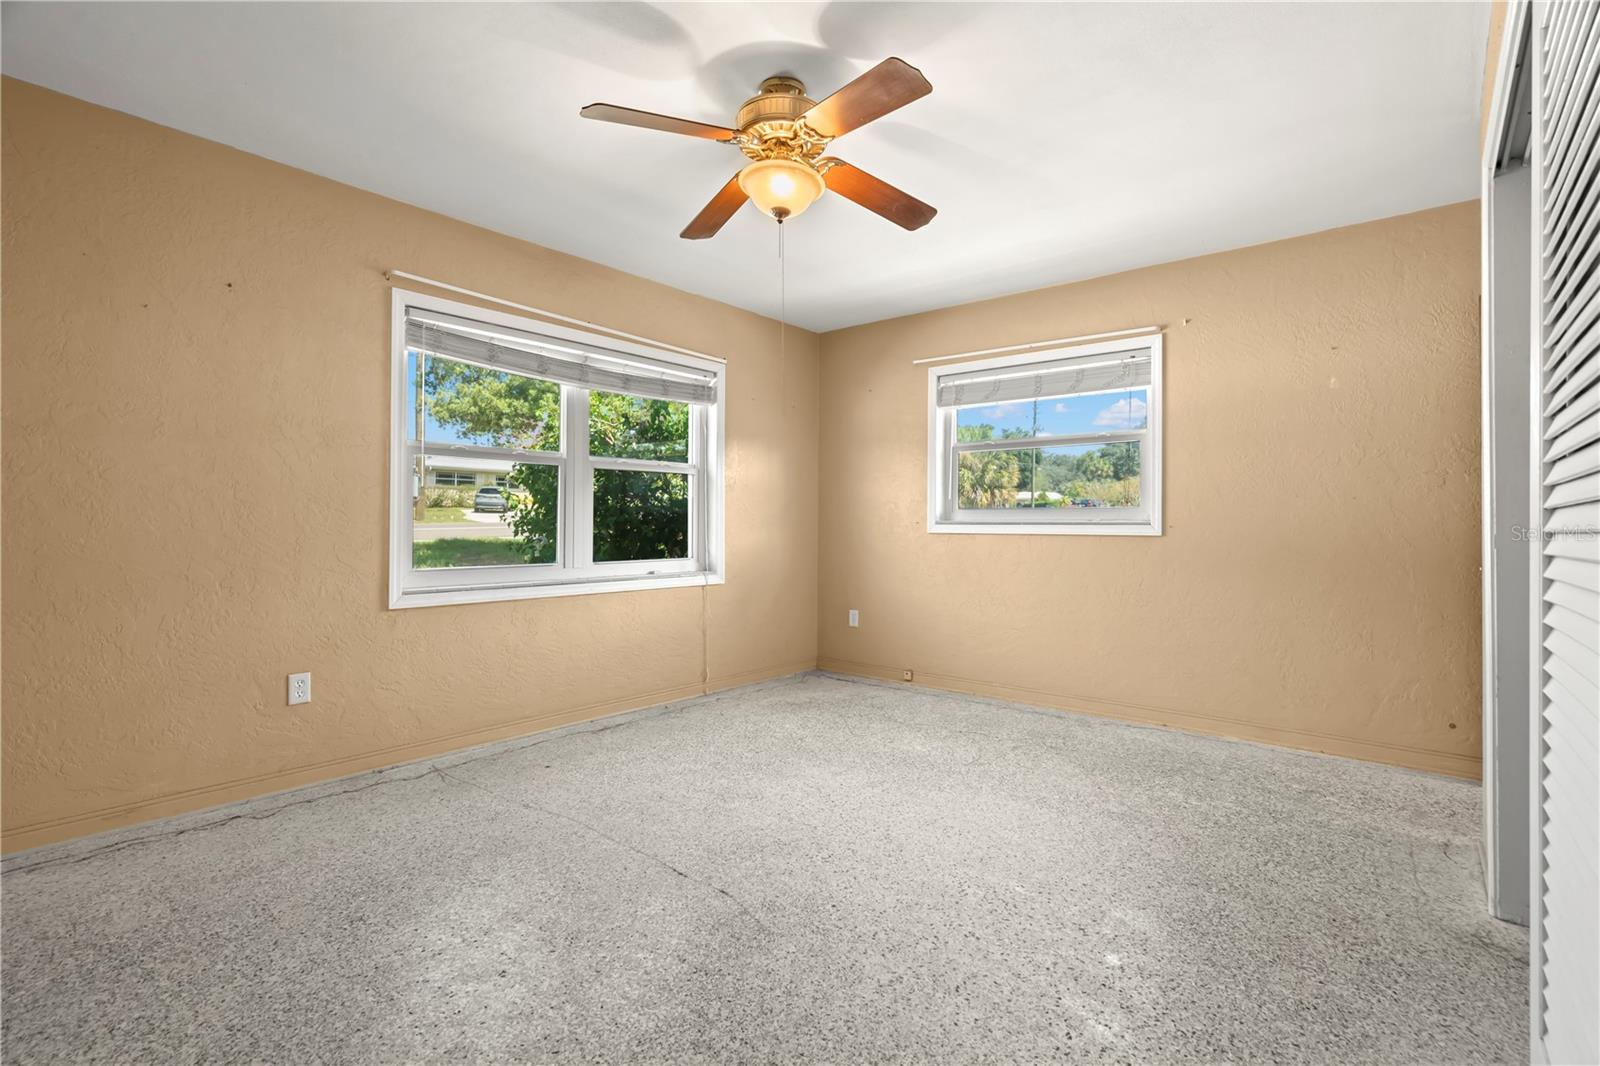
column 177, row 311
column 1317, row 584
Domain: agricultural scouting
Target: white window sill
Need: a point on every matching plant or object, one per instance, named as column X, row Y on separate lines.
column 492, row 593
column 1080, row 529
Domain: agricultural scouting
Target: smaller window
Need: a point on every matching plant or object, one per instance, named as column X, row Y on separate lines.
column 1065, row 441
column 454, row 477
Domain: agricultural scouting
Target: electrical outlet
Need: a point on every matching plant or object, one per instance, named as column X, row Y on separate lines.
column 299, row 688
column 855, row 618
column 905, row 675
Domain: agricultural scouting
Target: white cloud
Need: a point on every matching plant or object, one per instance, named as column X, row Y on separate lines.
column 1124, row 414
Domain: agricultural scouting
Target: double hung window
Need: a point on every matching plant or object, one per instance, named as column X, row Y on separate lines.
column 1066, row 441
column 606, row 459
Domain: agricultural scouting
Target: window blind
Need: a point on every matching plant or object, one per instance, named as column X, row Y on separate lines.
column 1059, row 377
column 555, row 359
column 1567, row 112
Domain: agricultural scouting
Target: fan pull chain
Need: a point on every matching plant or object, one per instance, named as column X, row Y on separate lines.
column 783, row 313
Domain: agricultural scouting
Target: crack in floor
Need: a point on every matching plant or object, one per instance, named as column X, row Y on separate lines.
column 603, row 835
column 243, row 816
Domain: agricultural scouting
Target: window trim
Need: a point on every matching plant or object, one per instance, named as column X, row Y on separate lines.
column 942, row 447
column 707, row 439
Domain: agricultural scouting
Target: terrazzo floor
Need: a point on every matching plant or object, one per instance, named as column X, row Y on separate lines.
column 810, row 870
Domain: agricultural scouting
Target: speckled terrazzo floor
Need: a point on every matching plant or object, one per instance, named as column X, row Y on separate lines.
column 811, row 870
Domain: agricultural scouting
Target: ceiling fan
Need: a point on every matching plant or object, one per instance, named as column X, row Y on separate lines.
column 784, row 133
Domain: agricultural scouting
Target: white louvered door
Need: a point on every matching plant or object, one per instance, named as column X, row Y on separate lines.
column 1566, row 948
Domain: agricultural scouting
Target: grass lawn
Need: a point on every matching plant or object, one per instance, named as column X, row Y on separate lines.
column 446, row 514
column 466, row 551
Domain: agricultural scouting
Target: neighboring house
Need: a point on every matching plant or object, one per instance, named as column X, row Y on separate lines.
column 445, row 471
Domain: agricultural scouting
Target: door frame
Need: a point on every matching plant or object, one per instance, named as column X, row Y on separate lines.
column 1509, row 564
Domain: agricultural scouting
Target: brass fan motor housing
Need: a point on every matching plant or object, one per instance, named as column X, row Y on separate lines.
column 781, row 99
column 770, row 127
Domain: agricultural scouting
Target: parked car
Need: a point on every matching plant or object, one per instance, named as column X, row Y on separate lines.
column 489, row 498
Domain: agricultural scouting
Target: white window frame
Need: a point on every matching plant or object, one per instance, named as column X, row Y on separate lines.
column 574, row 573
column 1142, row 521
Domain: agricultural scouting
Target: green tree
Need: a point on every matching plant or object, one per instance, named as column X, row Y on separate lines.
column 535, row 504
column 1124, row 459
column 640, row 515
column 506, row 410
column 986, row 479
column 632, row 427
column 1095, row 466
column 637, row 514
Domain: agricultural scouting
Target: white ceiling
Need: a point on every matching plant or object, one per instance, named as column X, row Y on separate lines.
column 1060, row 142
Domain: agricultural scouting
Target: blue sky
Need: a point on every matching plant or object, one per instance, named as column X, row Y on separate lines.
column 1096, row 413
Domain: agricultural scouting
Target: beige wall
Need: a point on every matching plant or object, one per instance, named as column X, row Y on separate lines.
column 176, row 311
column 1317, row 585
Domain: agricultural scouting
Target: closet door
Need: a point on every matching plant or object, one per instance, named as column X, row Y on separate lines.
column 1566, row 507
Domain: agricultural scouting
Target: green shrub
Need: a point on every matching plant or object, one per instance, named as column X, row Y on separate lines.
column 449, row 497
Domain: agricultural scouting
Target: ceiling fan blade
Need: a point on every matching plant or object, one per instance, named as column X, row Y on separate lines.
column 892, row 84
column 853, row 183
column 628, row 116
column 712, row 216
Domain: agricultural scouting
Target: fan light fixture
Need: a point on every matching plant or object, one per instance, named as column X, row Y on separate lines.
column 781, row 188
column 785, row 133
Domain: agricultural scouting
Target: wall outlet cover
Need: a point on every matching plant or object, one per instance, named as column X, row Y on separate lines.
column 855, row 618
column 299, row 689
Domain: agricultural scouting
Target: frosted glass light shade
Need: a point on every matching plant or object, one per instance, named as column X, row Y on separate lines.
column 781, row 188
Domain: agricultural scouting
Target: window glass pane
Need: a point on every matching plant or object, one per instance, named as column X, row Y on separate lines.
column 640, row 515
column 1097, row 412
column 1082, row 476
column 489, row 525
column 632, row 427
column 458, row 403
